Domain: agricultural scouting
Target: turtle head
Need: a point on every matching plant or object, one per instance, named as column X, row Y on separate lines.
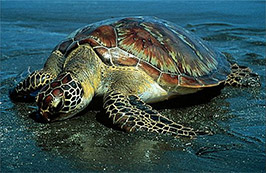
column 62, row 98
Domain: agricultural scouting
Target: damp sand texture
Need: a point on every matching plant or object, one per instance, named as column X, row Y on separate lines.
column 31, row 29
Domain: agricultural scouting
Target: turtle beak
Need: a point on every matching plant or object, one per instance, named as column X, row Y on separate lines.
column 46, row 116
column 43, row 117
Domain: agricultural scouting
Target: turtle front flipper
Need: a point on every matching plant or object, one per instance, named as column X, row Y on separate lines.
column 242, row 76
column 34, row 82
column 131, row 113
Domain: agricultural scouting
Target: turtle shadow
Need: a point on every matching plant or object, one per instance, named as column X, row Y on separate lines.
column 188, row 100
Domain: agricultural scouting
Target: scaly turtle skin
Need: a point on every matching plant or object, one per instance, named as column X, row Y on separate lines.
column 130, row 62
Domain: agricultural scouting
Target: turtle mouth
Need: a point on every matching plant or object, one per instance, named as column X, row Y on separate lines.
column 48, row 117
column 42, row 117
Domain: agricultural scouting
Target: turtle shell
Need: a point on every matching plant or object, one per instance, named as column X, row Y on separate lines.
column 171, row 55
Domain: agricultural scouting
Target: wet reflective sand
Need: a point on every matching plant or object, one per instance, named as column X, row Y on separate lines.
column 30, row 30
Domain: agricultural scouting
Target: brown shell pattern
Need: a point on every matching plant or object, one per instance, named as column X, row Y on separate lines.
column 168, row 53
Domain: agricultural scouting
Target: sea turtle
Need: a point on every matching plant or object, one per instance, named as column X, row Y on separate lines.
column 130, row 62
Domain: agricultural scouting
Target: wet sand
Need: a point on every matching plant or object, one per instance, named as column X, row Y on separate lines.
column 29, row 32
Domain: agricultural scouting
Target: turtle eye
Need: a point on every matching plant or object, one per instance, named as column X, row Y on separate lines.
column 58, row 106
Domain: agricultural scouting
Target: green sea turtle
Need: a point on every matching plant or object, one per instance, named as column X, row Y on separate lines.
column 130, row 62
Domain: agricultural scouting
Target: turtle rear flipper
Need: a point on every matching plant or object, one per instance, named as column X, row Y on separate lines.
column 242, row 76
column 131, row 113
column 34, row 82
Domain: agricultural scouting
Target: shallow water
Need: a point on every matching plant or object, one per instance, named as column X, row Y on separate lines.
column 30, row 30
